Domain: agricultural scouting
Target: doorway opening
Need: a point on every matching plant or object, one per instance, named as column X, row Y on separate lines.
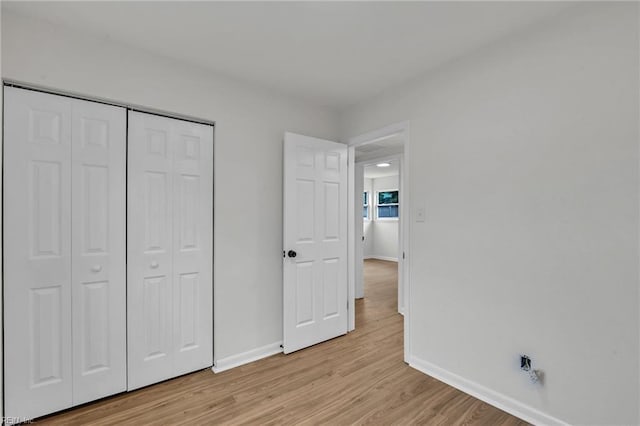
column 379, row 222
column 377, row 268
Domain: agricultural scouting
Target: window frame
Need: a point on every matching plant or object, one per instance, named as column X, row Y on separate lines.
column 368, row 205
column 378, row 205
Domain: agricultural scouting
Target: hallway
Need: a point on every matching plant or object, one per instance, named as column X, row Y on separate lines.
column 358, row 378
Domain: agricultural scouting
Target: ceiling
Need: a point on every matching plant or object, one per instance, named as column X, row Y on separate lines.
column 330, row 53
column 373, row 172
column 391, row 145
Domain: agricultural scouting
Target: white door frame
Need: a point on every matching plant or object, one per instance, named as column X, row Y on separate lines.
column 403, row 277
column 1, row 246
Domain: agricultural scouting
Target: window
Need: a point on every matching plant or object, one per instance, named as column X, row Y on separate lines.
column 365, row 205
column 388, row 204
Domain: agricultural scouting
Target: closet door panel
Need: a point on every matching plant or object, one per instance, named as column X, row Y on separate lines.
column 37, row 219
column 193, row 246
column 149, row 250
column 98, row 264
column 170, row 224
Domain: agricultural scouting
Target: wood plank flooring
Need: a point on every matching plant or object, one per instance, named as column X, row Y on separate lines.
column 359, row 378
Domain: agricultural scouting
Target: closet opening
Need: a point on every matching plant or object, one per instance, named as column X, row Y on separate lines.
column 108, row 285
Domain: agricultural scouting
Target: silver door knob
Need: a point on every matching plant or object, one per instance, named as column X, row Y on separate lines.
column 96, row 268
column 154, row 264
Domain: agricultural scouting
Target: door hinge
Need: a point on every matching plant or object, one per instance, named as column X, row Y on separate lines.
column 283, row 253
column 403, row 255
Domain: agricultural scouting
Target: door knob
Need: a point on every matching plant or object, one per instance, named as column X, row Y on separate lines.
column 292, row 253
column 96, row 268
column 154, row 264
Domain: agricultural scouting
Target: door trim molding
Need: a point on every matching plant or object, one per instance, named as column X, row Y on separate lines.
column 100, row 100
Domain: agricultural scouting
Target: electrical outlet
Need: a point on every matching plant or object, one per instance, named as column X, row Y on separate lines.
column 536, row 376
column 525, row 363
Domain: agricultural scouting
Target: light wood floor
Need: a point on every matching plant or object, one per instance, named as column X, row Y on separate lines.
column 358, row 378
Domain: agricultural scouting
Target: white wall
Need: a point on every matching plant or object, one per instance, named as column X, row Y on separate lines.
column 525, row 155
column 250, row 124
column 384, row 233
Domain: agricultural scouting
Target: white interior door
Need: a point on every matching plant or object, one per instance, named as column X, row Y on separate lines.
column 64, row 275
column 315, row 241
column 37, row 268
column 192, row 246
column 170, row 225
column 149, row 250
column 98, row 250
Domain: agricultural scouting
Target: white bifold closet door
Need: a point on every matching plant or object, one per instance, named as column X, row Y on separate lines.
column 64, row 264
column 169, row 248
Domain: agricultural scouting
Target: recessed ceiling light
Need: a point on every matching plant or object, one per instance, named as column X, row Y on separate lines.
column 383, row 164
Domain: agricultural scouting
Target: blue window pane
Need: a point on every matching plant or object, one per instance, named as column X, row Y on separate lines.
column 388, row 197
column 388, row 211
column 365, row 212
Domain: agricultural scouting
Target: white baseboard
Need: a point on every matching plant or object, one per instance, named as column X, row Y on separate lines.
column 390, row 259
column 233, row 361
column 503, row 402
